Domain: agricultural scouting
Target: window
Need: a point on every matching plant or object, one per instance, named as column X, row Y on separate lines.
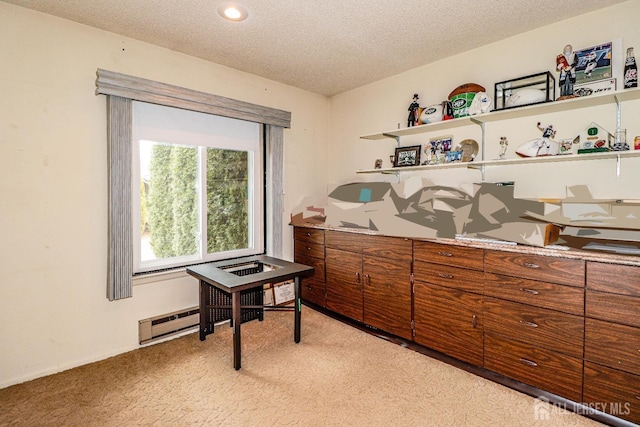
column 121, row 91
column 197, row 187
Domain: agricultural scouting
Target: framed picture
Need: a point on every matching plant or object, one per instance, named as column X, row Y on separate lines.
column 407, row 156
column 594, row 63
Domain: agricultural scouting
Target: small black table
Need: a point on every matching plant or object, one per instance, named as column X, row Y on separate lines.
column 237, row 277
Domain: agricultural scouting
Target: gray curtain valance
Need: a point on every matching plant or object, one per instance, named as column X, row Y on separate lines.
column 139, row 89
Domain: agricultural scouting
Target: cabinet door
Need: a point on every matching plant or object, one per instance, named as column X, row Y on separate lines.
column 448, row 320
column 387, row 295
column 344, row 283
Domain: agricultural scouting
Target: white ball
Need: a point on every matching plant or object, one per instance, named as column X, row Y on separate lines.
column 431, row 114
column 524, row 97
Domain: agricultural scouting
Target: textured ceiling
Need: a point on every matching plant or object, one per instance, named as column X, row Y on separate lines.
column 323, row 46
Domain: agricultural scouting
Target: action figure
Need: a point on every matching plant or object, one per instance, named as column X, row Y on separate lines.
column 544, row 142
column 503, row 146
column 566, row 64
column 412, row 120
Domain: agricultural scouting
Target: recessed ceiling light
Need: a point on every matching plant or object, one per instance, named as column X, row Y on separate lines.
column 233, row 12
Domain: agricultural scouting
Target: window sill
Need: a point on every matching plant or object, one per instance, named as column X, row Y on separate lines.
column 161, row 276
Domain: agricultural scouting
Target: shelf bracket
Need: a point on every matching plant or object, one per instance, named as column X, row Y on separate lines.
column 618, row 115
column 396, row 137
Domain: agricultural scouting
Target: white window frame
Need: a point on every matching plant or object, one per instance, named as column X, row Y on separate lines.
column 256, row 216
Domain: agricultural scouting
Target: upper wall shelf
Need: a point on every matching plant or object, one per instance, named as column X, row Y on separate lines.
column 513, row 113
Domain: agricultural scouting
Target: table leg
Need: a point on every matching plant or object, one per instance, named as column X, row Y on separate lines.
column 203, row 310
column 297, row 310
column 237, row 321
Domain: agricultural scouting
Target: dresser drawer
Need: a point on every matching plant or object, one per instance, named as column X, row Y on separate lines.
column 318, row 268
column 306, row 249
column 612, row 345
column 545, row 268
column 377, row 246
column 541, row 368
column 309, row 235
column 396, row 248
column 627, row 278
column 457, row 256
column 615, row 392
column 550, row 329
column 617, row 308
column 541, row 294
column 451, row 277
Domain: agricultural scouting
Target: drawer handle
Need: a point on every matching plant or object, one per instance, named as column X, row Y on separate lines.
column 528, row 362
column 367, row 279
column 530, row 291
column 357, row 277
column 443, row 253
column 531, row 265
column 308, row 234
column 474, row 320
column 529, row 324
column 445, row 276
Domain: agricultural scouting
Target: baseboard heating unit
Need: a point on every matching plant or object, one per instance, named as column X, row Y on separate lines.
column 167, row 324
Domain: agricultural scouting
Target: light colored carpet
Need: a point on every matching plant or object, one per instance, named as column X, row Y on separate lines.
column 337, row 376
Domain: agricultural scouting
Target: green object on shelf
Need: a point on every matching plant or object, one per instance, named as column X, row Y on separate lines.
column 593, row 150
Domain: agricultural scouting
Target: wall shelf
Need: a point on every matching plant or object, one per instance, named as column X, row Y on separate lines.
column 513, row 113
column 613, row 98
column 506, row 162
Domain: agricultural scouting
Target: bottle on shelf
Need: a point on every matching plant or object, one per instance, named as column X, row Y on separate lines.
column 630, row 70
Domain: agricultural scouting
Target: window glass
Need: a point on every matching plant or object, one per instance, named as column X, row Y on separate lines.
column 198, row 195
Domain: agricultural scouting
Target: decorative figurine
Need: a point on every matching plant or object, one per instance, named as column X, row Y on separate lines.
column 447, row 110
column 392, row 159
column 543, row 146
column 504, row 143
column 566, row 63
column 378, row 164
column 414, row 116
column 428, row 151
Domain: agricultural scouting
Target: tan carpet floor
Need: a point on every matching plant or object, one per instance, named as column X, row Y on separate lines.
column 337, row 376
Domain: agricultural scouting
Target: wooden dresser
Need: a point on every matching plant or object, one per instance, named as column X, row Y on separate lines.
column 562, row 322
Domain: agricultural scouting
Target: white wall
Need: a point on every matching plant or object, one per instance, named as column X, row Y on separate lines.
column 53, row 186
column 53, row 193
column 382, row 105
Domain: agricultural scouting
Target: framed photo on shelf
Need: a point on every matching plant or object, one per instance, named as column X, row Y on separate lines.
column 407, row 156
column 594, row 63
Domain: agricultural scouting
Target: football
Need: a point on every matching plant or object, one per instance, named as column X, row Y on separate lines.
column 466, row 88
column 431, row 114
column 525, row 97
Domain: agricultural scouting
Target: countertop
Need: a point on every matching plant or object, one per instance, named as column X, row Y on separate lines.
column 568, row 247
